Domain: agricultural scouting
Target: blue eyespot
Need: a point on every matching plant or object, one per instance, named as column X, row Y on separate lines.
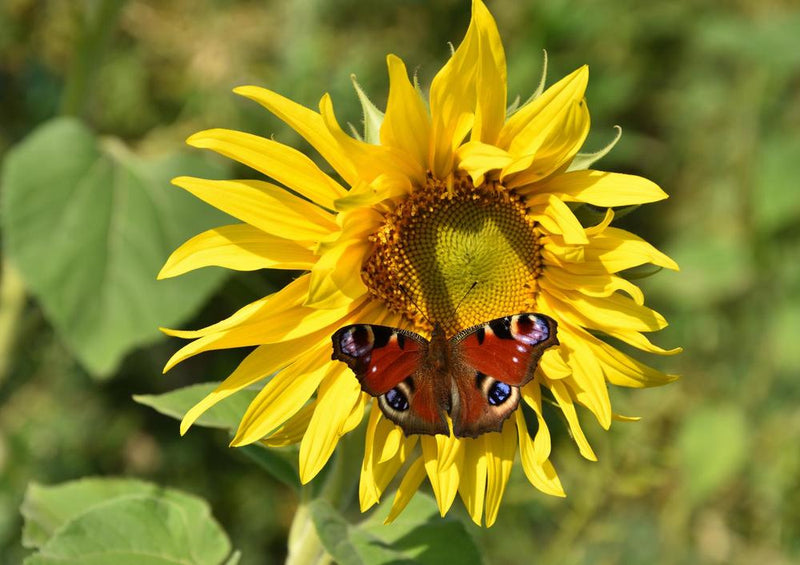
column 498, row 393
column 397, row 400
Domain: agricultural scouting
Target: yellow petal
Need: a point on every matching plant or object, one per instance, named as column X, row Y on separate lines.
column 293, row 430
column 564, row 399
column 552, row 149
column 540, row 473
column 452, row 100
column 371, row 160
column 532, row 395
column 287, row 298
column 478, row 158
column 601, row 189
column 490, row 108
column 262, row 362
column 281, row 162
column 308, row 124
column 554, row 366
column 383, row 187
column 520, row 132
column 609, row 312
column 336, row 276
column 240, row 247
column 568, row 312
column 367, row 490
column 377, row 470
column 338, row 394
column 587, row 382
column 270, row 208
column 622, row 370
column 500, row 450
column 617, row 249
column 472, row 485
column 408, row 487
column 406, row 125
column 285, row 394
column 627, row 419
column 556, row 217
column 597, row 286
column 444, row 457
column 270, row 326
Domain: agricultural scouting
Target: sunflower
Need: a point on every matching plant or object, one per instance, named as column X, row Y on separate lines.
column 437, row 195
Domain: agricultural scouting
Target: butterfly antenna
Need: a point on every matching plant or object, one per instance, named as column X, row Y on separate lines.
column 460, row 302
column 404, row 290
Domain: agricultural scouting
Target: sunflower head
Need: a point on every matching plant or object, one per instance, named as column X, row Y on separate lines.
column 445, row 190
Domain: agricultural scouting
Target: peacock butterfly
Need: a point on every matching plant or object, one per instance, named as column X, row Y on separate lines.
column 474, row 376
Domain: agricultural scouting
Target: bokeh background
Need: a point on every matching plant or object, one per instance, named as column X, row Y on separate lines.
column 708, row 95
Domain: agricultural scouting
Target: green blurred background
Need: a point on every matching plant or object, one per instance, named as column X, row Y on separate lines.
column 707, row 95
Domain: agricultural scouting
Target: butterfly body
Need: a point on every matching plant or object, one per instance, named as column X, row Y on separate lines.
column 474, row 377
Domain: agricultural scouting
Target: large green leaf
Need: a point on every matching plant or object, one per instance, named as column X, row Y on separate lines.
column 225, row 414
column 99, row 521
column 89, row 224
column 419, row 535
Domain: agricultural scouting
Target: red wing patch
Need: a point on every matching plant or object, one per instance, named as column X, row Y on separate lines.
column 508, row 348
column 380, row 356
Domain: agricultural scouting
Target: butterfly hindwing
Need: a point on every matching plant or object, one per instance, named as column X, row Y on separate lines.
column 497, row 358
column 388, row 363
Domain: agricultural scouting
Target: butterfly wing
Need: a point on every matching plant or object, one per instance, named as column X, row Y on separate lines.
column 495, row 360
column 388, row 363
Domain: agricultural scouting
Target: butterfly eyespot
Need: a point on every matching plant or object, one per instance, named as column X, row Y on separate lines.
column 397, row 400
column 357, row 341
column 498, row 393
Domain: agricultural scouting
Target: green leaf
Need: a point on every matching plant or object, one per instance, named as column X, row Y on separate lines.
column 419, row 535
column 714, row 445
column 422, row 535
column 225, row 414
column 99, row 521
column 335, row 533
column 89, row 232
column 276, row 462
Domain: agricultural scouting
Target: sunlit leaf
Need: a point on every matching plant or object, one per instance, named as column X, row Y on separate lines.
column 88, row 224
column 225, row 414
column 125, row 522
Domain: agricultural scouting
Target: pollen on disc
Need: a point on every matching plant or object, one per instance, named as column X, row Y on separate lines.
column 443, row 238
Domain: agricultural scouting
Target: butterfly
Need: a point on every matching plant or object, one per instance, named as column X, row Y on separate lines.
column 474, row 377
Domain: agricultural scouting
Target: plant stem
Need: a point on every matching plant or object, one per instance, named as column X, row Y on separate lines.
column 96, row 22
column 12, row 303
column 304, row 546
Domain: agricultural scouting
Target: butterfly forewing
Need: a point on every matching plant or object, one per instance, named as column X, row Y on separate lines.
column 498, row 357
column 509, row 348
column 380, row 356
column 389, row 365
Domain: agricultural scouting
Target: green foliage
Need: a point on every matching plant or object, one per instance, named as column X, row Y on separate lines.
column 225, row 414
column 88, row 224
column 97, row 521
column 419, row 535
